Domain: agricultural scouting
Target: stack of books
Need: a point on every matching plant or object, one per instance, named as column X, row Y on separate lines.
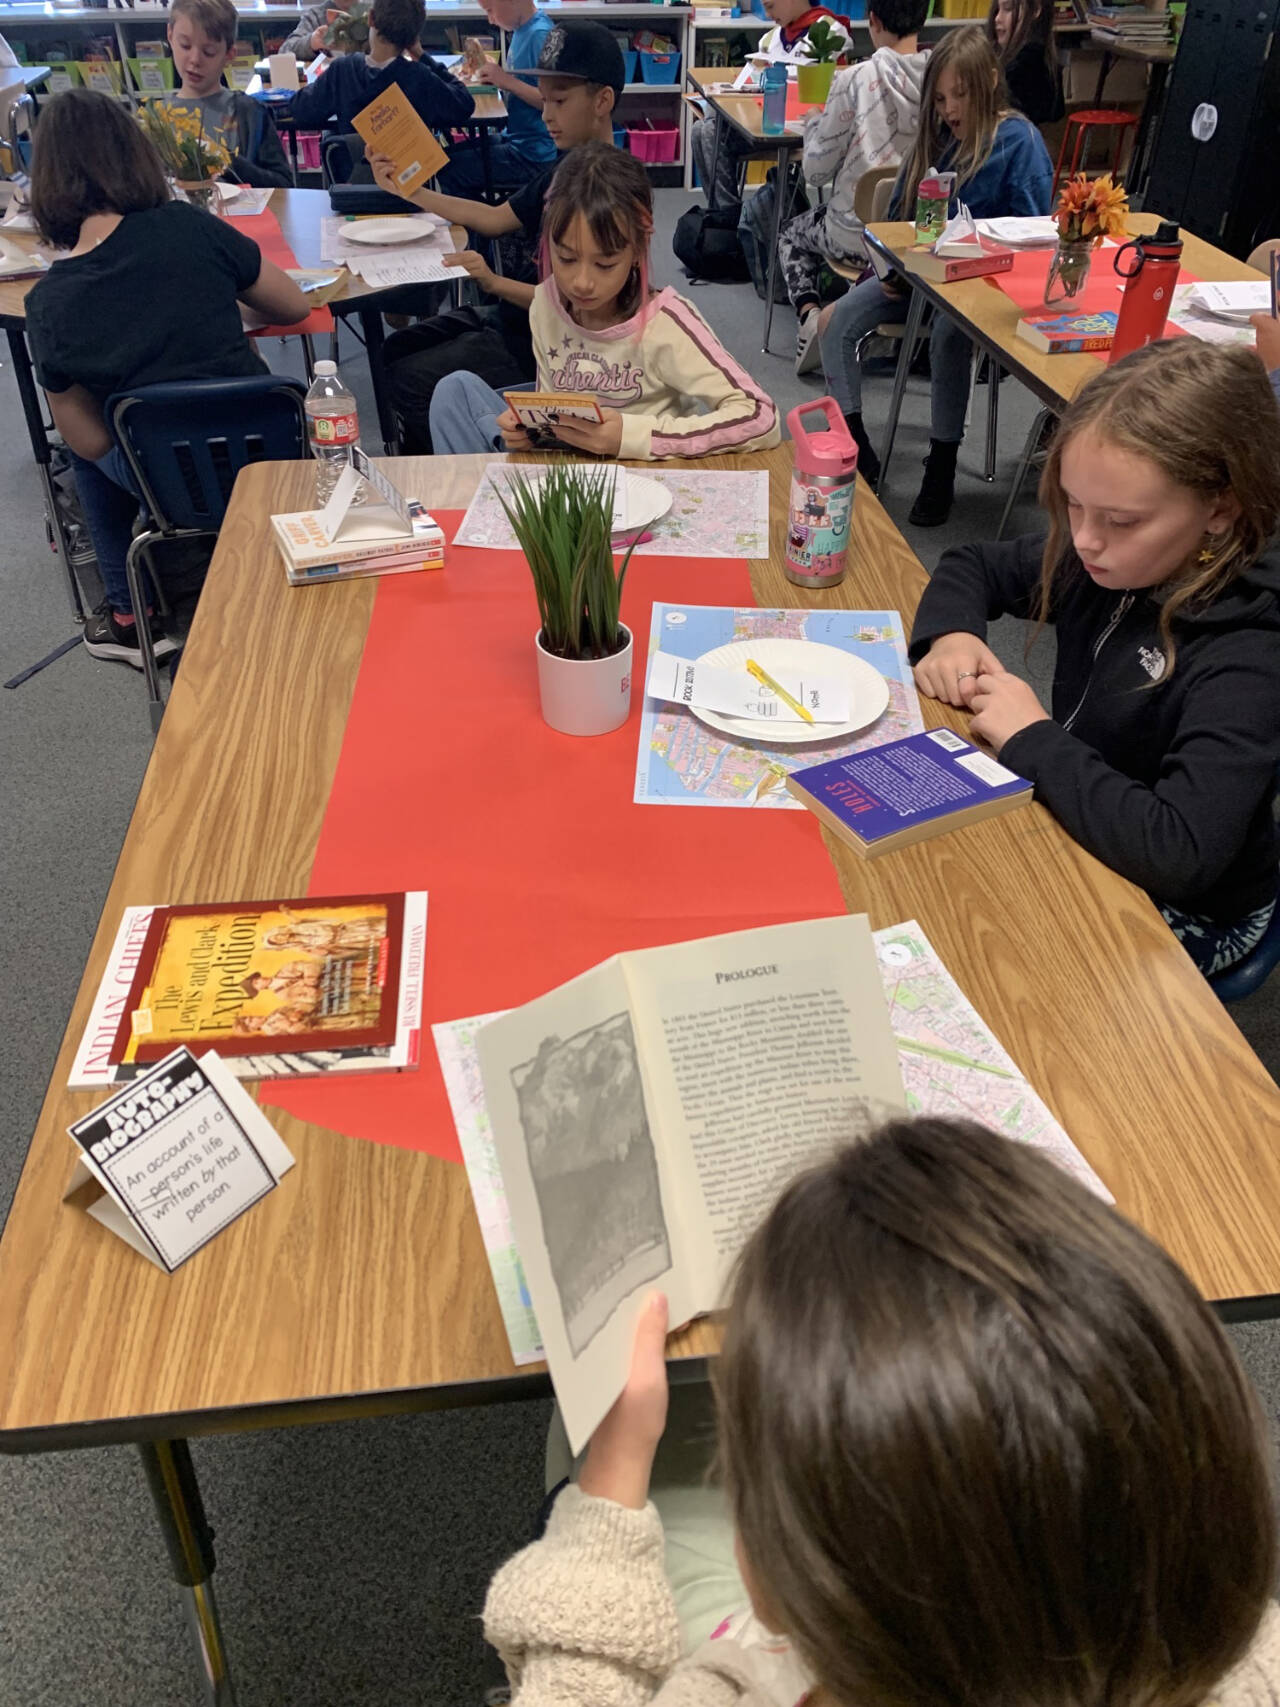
column 1134, row 24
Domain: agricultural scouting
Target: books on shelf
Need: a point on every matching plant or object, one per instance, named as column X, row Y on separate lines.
column 277, row 987
column 1069, row 334
column 645, row 1114
column 906, row 791
column 983, row 257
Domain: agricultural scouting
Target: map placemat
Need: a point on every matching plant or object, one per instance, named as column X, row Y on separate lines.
column 714, row 513
column 952, row 1064
column 682, row 762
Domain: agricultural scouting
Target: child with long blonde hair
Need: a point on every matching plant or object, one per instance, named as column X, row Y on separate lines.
column 1002, row 167
column 664, row 383
column 1163, row 490
column 981, row 1440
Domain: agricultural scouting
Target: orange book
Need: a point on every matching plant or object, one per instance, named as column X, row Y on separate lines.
column 392, row 127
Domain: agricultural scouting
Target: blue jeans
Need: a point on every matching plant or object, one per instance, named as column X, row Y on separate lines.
column 110, row 502
column 860, row 311
column 464, row 415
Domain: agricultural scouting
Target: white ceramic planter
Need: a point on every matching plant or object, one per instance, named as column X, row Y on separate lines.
column 585, row 696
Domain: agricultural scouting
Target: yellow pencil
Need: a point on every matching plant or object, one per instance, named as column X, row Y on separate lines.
column 764, row 676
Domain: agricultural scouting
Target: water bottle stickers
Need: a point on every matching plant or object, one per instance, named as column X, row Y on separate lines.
column 818, row 526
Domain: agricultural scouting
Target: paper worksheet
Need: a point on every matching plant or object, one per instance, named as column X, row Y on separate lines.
column 735, row 693
column 424, row 264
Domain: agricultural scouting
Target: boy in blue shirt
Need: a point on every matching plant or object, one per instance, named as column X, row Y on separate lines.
column 519, row 152
column 355, row 79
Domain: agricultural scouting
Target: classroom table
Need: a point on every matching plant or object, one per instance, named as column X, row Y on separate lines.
column 300, row 213
column 744, row 113
column 360, row 1287
column 990, row 318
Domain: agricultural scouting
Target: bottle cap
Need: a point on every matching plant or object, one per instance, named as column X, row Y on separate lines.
column 324, row 369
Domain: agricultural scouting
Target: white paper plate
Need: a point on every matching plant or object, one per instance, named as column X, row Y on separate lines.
column 868, row 690
column 400, row 228
column 646, row 501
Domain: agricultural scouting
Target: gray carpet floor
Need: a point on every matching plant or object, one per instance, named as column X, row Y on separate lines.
column 352, row 1557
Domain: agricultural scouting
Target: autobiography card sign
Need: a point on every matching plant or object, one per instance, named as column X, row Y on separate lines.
column 180, row 1153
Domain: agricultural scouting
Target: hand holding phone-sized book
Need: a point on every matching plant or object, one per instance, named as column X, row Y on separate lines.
column 646, row 1114
column 539, row 411
column 344, row 540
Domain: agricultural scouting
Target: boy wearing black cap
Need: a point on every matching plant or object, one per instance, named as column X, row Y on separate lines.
column 580, row 73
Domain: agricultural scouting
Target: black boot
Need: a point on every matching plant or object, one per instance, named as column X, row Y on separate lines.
column 938, row 488
column 868, row 461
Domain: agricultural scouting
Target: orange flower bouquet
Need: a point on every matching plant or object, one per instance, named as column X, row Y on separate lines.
column 1091, row 209
column 1088, row 210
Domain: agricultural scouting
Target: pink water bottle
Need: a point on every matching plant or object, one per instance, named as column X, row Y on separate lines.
column 821, row 508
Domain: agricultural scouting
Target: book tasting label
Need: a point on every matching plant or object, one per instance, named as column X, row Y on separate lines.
column 175, row 1156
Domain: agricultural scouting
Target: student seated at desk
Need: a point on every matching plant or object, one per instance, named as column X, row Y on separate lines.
column 306, row 39
column 871, row 119
column 1163, row 490
column 981, row 1441
column 347, row 86
column 1002, row 167
column 145, row 289
column 524, row 147
column 785, row 44
column 580, row 73
column 202, row 38
column 1022, row 33
column 665, row 384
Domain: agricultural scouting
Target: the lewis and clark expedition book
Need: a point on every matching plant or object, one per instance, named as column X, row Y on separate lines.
column 646, row 1114
column 277, row 988
column 906, row 791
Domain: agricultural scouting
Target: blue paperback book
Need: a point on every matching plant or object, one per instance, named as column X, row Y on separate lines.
column 907, row 790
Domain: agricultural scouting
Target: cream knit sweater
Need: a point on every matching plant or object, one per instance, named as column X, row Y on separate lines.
column 585, row 1618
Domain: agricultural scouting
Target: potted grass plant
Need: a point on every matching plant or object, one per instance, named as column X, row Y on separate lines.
column 563, row 521
column 348, row 29
column 824, row 47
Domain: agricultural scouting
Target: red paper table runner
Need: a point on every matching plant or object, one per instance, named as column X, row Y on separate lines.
column 796, row 108
column 265, row 230
column 538, row 863
column 1025, row 283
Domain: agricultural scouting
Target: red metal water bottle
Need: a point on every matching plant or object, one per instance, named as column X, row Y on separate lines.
column 821, row 509
column 1150, row 275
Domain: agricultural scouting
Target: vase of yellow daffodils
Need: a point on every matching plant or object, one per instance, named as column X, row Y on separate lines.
column 192, row 159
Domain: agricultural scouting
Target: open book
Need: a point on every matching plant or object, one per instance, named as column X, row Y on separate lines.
column 646, row 1114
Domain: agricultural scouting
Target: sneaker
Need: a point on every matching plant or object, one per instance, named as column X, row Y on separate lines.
column 104, row 637
column 808, row 344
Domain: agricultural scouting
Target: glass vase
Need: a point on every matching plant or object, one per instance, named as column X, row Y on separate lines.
column 1068, row 271
column 200, row 192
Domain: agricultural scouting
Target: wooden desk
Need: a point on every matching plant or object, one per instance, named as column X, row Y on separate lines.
column 990, row 318
column 1159, row 57
column 318, row 1302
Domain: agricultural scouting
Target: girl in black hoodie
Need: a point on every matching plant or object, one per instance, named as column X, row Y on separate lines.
column 1163, row 488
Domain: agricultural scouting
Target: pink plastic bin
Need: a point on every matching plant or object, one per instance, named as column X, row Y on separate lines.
column 654, row 145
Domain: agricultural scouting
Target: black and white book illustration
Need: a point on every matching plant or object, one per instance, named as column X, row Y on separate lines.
column 595, row 1173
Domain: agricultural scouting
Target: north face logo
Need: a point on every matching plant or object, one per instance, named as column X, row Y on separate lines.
column 1152, row 660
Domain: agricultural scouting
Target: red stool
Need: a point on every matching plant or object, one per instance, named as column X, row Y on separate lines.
column 1076, row 136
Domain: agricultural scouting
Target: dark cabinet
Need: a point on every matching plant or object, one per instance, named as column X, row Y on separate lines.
column 1216, row 168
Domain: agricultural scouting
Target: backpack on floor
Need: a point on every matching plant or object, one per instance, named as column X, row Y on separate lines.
column 755, row 230
column 706, row 244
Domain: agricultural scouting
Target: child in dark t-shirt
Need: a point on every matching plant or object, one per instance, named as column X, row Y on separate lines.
column 170, row 276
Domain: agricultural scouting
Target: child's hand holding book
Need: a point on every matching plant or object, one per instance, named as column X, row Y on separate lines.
column 620, row 1457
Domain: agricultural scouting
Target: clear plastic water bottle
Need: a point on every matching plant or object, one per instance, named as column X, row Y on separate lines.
column 333, row 426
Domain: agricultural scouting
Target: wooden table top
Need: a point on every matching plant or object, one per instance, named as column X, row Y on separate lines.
column 982, row 307
column 362, row 1283
column 742, row 111
column 300, row 213
column 1149, row 52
